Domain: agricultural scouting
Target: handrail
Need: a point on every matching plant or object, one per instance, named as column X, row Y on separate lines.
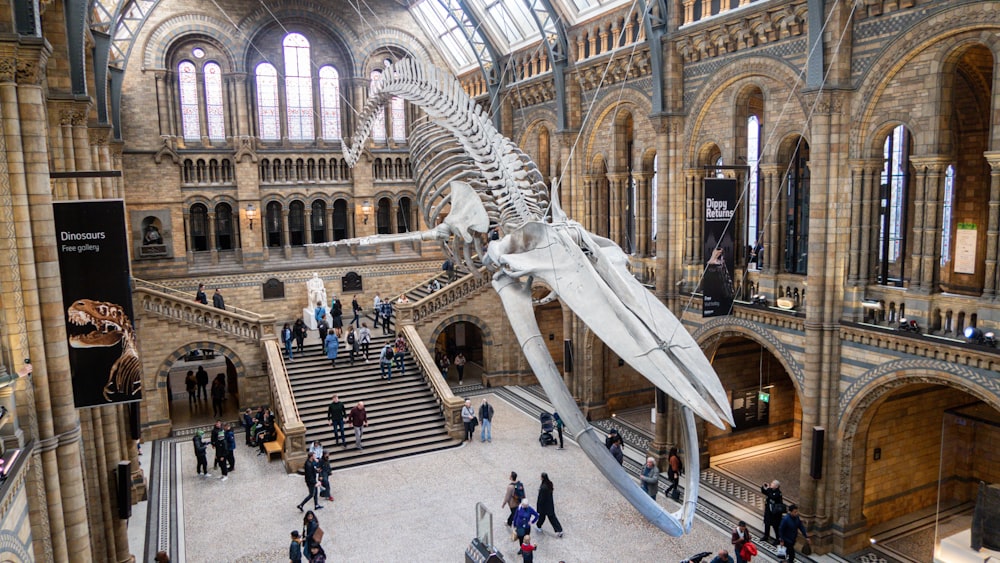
column 183, row 295
column 285, row 409
column 451, row 406
column 440, row 300
column 252, row 327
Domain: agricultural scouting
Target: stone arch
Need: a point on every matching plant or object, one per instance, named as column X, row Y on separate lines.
column 538, row 118
column 204, row 200
column 489, row 351
column 630, row 100
column 390, row 38
column 317, row 14
column 709, row 334
column 164, row 36
column 707, row 153
column 785, row 148
column 646, row 160
column 978, row 17
column 163, row 372
column 856, row 403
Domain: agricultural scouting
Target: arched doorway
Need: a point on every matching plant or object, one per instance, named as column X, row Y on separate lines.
column 466, row 338
column 193, row 410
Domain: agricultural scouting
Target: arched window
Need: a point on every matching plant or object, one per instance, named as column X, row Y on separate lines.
column 273, row 224
column 949, row 198
column 797, row 204
column 383, row 217
column 224, row 227
column 318, row 222
column 268, row 117
column 297, row 223
column 398, row 112
column 753, row 158
column 298, row 87
column 652, row 203
column 403, row 216
column 199, row 227
column 213, row 102
column 378, row 124
column 187, row 78
column 720, row 172
column 893, row 196
column 340, row 225
column 329, row 94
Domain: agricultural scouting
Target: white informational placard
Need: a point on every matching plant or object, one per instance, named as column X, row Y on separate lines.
column 965, row 248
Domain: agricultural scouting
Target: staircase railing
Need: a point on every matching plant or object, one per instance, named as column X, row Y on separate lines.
column 170, row 304
column 451, row 406
column 283, row 404
column 442, row 299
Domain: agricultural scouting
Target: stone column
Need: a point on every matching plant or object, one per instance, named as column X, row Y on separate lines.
column 69, row 160
column 617, row 187
column 771, row 180
column 643, row 233
column 213, row 246
column 695, row 262
column 81, row 151
column 162, row 103
column 930, row 259
column 991, row 281
column 188, row 240
column 308, row 234
column 915, row 242
column 328, row 228
column 285, row 233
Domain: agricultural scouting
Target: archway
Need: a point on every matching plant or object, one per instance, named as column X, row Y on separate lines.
column 189, row 410
column 465, row 338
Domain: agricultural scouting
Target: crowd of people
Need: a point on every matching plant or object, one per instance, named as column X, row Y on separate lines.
column 523, row 515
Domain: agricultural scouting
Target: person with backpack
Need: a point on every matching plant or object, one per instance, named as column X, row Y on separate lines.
column 512, row 497
column 200, row 455
column 365, row 338
column 675, row 468
column 774, row 509
column 385, row 362
column 352, row 343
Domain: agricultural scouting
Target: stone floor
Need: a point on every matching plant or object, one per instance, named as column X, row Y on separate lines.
column 423, row 508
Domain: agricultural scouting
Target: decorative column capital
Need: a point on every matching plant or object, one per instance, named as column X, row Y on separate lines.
column 931, row 163
column 993, row 158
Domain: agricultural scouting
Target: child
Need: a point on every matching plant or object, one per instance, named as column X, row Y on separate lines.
column 295, row 548
column 528, row 550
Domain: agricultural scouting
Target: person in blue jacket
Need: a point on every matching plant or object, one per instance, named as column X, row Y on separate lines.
column 332, row 347
column 524, row 517
column 789, row 529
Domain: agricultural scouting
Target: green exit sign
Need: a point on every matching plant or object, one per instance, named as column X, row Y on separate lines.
column 764, row 397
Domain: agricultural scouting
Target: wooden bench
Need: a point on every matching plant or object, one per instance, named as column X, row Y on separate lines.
column 278, row 445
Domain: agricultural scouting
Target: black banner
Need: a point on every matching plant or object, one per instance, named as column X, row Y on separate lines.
column 717, row 283
column 97, row 301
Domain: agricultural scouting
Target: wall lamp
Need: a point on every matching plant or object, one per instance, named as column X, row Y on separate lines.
column 251, row 214
column 366, row 210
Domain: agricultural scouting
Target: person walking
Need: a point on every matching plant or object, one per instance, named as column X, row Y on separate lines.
column 335, row 413
column 218, row 301
column 295, row 548
column 312, row 483
column 400, row 347
column 468, row 420
column 528, row 550
column 741, row 537
column 359, row 419
column 386, row 307
column 650, row 477
column 788, row 531
column 546, row 506
column 310, row 524
column 324, row 476
column 774, row 509
column 385, row 362
column 524, row 517
column 323, row 330
column 486, row 419
column 675, row 467
column 443, row 364
column 219, row 444
column 200, row 296
column 199, row 454
column 616, row 450
column 352, row 343
column 356, row 309
column 460, row 366
column 365, row 337
column 201, row 376
column 191, row 385
column 332, row 348
column 299, row 331
column 286, row 339
column 559, row 427
column 337, row 317
column 512, row 496
column 376, row 309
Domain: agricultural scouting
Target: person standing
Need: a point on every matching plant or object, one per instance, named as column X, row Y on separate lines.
column 352, row 343
column 332, row 347
column 616, row 450
column 219, row 443
column 722, row 557
column 512, row 496
column 335, row 414
column 788, row 531
column 468, row 420
column 295, row 548
column 359, row 419
column 202, row 378
column 218, row 394
column 546, row 506
column 674, row 469
column 559, row 427
column 309, row 526
column 312, row 483
column 299, row 332
column 191, row 385
column 460, row 366
column 400, row 347
column 376, row 309
column 286, row 339
column 200, row 297
column 218, row 301
column 774, row 509
column 324, row 476
column 443, row 364
column 385, row 362
column 650, row 477
column 337, row 317
column 386, row 316
column 524, row 517
column 356, row 309
column 365, row 336
column 323, row 329
column 486, row 418
column 248, row 422
column 230, row 447
column 319, row 313
column 741, row 537
column 199, row 454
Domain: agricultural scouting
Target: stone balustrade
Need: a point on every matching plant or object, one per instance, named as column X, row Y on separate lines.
column 440, row 301
column 451, row 406
column 283, row 404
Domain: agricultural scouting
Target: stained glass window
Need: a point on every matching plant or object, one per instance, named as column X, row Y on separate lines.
column 267, row 103
column 190, row 118
column 398, row 119
column 753, row 157
column 378, row 125
column 329, row 94
column 298, row 87
column 214, row 105
column 949, row 191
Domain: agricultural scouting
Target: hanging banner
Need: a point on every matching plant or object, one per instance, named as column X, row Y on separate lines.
column 717, row 283
column 97, row 301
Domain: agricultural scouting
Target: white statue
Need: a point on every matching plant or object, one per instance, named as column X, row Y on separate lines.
column 317, row 291
column 463, row 163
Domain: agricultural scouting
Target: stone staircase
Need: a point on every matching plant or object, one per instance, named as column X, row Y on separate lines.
column 404, row 417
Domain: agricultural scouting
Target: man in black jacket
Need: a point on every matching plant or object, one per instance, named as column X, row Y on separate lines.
column 312, row 483
column 199, row 454
column 201, row 376
column 335, row 415
column 221, row 449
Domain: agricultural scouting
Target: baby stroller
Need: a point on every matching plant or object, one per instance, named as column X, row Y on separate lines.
column 548, row 425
